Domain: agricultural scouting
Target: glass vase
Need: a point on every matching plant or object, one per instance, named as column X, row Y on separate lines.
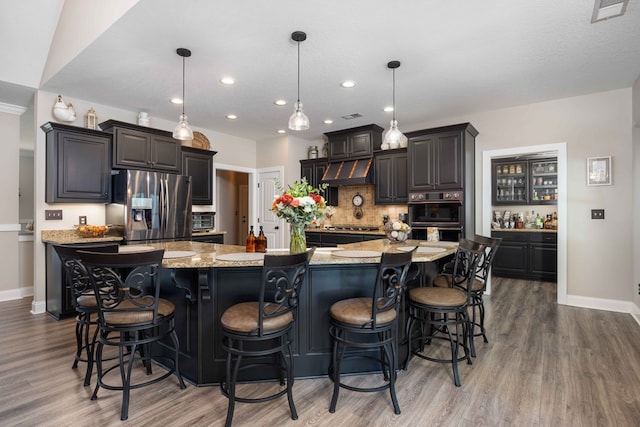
column 298, row 242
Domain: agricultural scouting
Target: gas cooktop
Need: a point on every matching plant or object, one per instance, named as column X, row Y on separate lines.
column 354, row 227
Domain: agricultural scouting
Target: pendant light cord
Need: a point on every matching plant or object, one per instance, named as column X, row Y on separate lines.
column 394, row 93
column 183, row 101
column 298, row 71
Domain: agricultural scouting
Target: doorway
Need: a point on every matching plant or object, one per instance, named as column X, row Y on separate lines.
column 232, row 204
column 486, row 212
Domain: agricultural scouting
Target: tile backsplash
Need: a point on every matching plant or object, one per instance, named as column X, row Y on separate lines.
column 372, row 213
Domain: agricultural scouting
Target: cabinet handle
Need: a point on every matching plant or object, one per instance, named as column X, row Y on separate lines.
column 276, row 227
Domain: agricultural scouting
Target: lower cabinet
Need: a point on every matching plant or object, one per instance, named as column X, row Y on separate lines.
column 332, row 240
column 526, row 255
column 214, row 238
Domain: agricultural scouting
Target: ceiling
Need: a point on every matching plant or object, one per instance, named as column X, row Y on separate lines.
column 456, row 58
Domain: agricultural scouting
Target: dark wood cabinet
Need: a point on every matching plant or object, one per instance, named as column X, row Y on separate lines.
column 78, row 166
column 313, row 170
column 332, row 239
column 198, row 164
column 526, row 255
column 354, row 143
column 524, row 181
column 139, row 147
column 391, row 177
column 437, row 157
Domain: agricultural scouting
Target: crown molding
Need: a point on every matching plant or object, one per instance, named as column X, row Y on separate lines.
column 11, row 109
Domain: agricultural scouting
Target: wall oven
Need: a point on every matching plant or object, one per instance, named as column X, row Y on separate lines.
column 443, row 210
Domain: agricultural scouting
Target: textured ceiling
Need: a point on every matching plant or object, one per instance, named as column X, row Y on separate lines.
column 457, row 58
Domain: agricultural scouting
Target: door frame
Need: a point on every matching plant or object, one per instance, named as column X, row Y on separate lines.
column 485, row 210
column 252, row 182
column 283, row 231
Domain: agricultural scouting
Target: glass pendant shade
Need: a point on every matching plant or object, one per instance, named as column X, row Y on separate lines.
column 298, row 120
column 183, row 132
column 393, row 137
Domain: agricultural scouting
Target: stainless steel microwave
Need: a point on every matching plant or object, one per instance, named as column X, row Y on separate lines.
column 203, row 221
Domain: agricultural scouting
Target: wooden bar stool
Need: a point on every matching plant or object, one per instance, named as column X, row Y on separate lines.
column 371, row 323
column 257, row 331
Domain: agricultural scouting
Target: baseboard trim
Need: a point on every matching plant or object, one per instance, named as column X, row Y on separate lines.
column 17, row 293
column 600, row 304
column 38, row 307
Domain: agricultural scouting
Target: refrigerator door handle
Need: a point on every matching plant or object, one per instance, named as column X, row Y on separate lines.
column 166, row 206
column 161, row 204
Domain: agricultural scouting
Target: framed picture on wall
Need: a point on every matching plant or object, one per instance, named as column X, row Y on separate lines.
column 599, row 170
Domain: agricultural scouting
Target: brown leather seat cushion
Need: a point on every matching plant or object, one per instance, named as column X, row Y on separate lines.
column 243, row 317
column 87, row 301
column 438, row 297
column 357, row 311
column 165, row 308
column 444, row 281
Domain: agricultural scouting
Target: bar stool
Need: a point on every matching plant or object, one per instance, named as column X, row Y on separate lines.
column 261, row 329
column 83, row 300
column 131, row 317
column 478, row 287
column 441, row 312
column 371, row 323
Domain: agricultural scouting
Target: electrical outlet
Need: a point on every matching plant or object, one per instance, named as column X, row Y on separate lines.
column 52, row 214
column 82, row 220
column 597, row 213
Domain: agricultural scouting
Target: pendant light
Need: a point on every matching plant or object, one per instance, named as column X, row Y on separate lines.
column 298, row 120
column 183, row 132
column 394, row 138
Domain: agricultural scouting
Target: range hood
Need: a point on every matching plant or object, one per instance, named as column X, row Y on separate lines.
column 349, row 172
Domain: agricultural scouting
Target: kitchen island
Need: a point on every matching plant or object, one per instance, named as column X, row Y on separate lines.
column 202, row 285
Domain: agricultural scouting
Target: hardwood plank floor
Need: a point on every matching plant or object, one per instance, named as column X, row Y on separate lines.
column 545, row 365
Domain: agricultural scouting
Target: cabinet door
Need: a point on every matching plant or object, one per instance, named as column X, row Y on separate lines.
column 339, row 147
column 384, row 179
column 200, row 168
column 331, row 192
column 78, row 168
column 510, row 182
column 543, row 261
column 165, row 154
column 131, row 149
column 448, row 160
column 421, row 167
column 360, row 145
column 544, row 181
column 399, row 178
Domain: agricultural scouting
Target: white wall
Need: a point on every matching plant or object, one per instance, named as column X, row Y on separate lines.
column 599, row 252
column 636, row 194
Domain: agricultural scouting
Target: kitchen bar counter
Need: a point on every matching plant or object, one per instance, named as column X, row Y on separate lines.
column 346, row 231
column 528, row 230
column 202, row 287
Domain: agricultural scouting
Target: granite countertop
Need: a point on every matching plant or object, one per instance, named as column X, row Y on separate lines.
column 71, row 236
column 530, row 230
column 208, row 233
column 206, row 253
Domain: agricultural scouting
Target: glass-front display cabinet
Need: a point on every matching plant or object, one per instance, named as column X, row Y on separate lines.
column 524, row 181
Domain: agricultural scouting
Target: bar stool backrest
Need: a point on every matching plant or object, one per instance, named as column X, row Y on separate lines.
column 465, row 263
column 75, row 273
column 125, row 282
column 391, row 282
column 282, row 278
column 484, row 265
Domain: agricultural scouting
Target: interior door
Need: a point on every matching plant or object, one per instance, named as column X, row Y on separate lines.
column 273, row 227
column 243, row 214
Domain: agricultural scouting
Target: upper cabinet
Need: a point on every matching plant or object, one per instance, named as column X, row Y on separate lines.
column 438, row 158
column 140, row 147
column 198, row 164
column 525, row 181
column 354, row 143
column 391, row 177
column 313, row 170
column 78, row 169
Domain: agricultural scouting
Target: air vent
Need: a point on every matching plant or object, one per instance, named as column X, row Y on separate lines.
column 605, row 9
column 352, row 116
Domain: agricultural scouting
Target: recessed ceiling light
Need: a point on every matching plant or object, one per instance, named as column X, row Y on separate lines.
column 231, row 116
column 282, row 131
column 328, row 122
column 227, row 80
column 388, row 109
column 280, row 102
column 177, row 101
column 348, row 83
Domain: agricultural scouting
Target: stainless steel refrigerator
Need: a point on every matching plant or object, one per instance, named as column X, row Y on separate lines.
column 150, row 206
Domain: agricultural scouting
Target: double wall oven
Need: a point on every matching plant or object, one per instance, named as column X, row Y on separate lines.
column 444, row 210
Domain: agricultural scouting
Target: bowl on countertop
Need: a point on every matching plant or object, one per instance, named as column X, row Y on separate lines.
column 92, row 230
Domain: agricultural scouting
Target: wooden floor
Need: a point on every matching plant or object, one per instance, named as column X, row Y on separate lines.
column 545, row 365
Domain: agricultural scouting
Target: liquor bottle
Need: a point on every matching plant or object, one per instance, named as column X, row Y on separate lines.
column 261, row 241
column 251, row 241
column 538, row 221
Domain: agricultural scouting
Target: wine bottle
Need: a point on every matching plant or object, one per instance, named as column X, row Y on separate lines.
column 251, row 241
column 261, row 241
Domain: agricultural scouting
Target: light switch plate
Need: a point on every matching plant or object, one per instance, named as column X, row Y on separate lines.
column 597, row 213
column 52, row 214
